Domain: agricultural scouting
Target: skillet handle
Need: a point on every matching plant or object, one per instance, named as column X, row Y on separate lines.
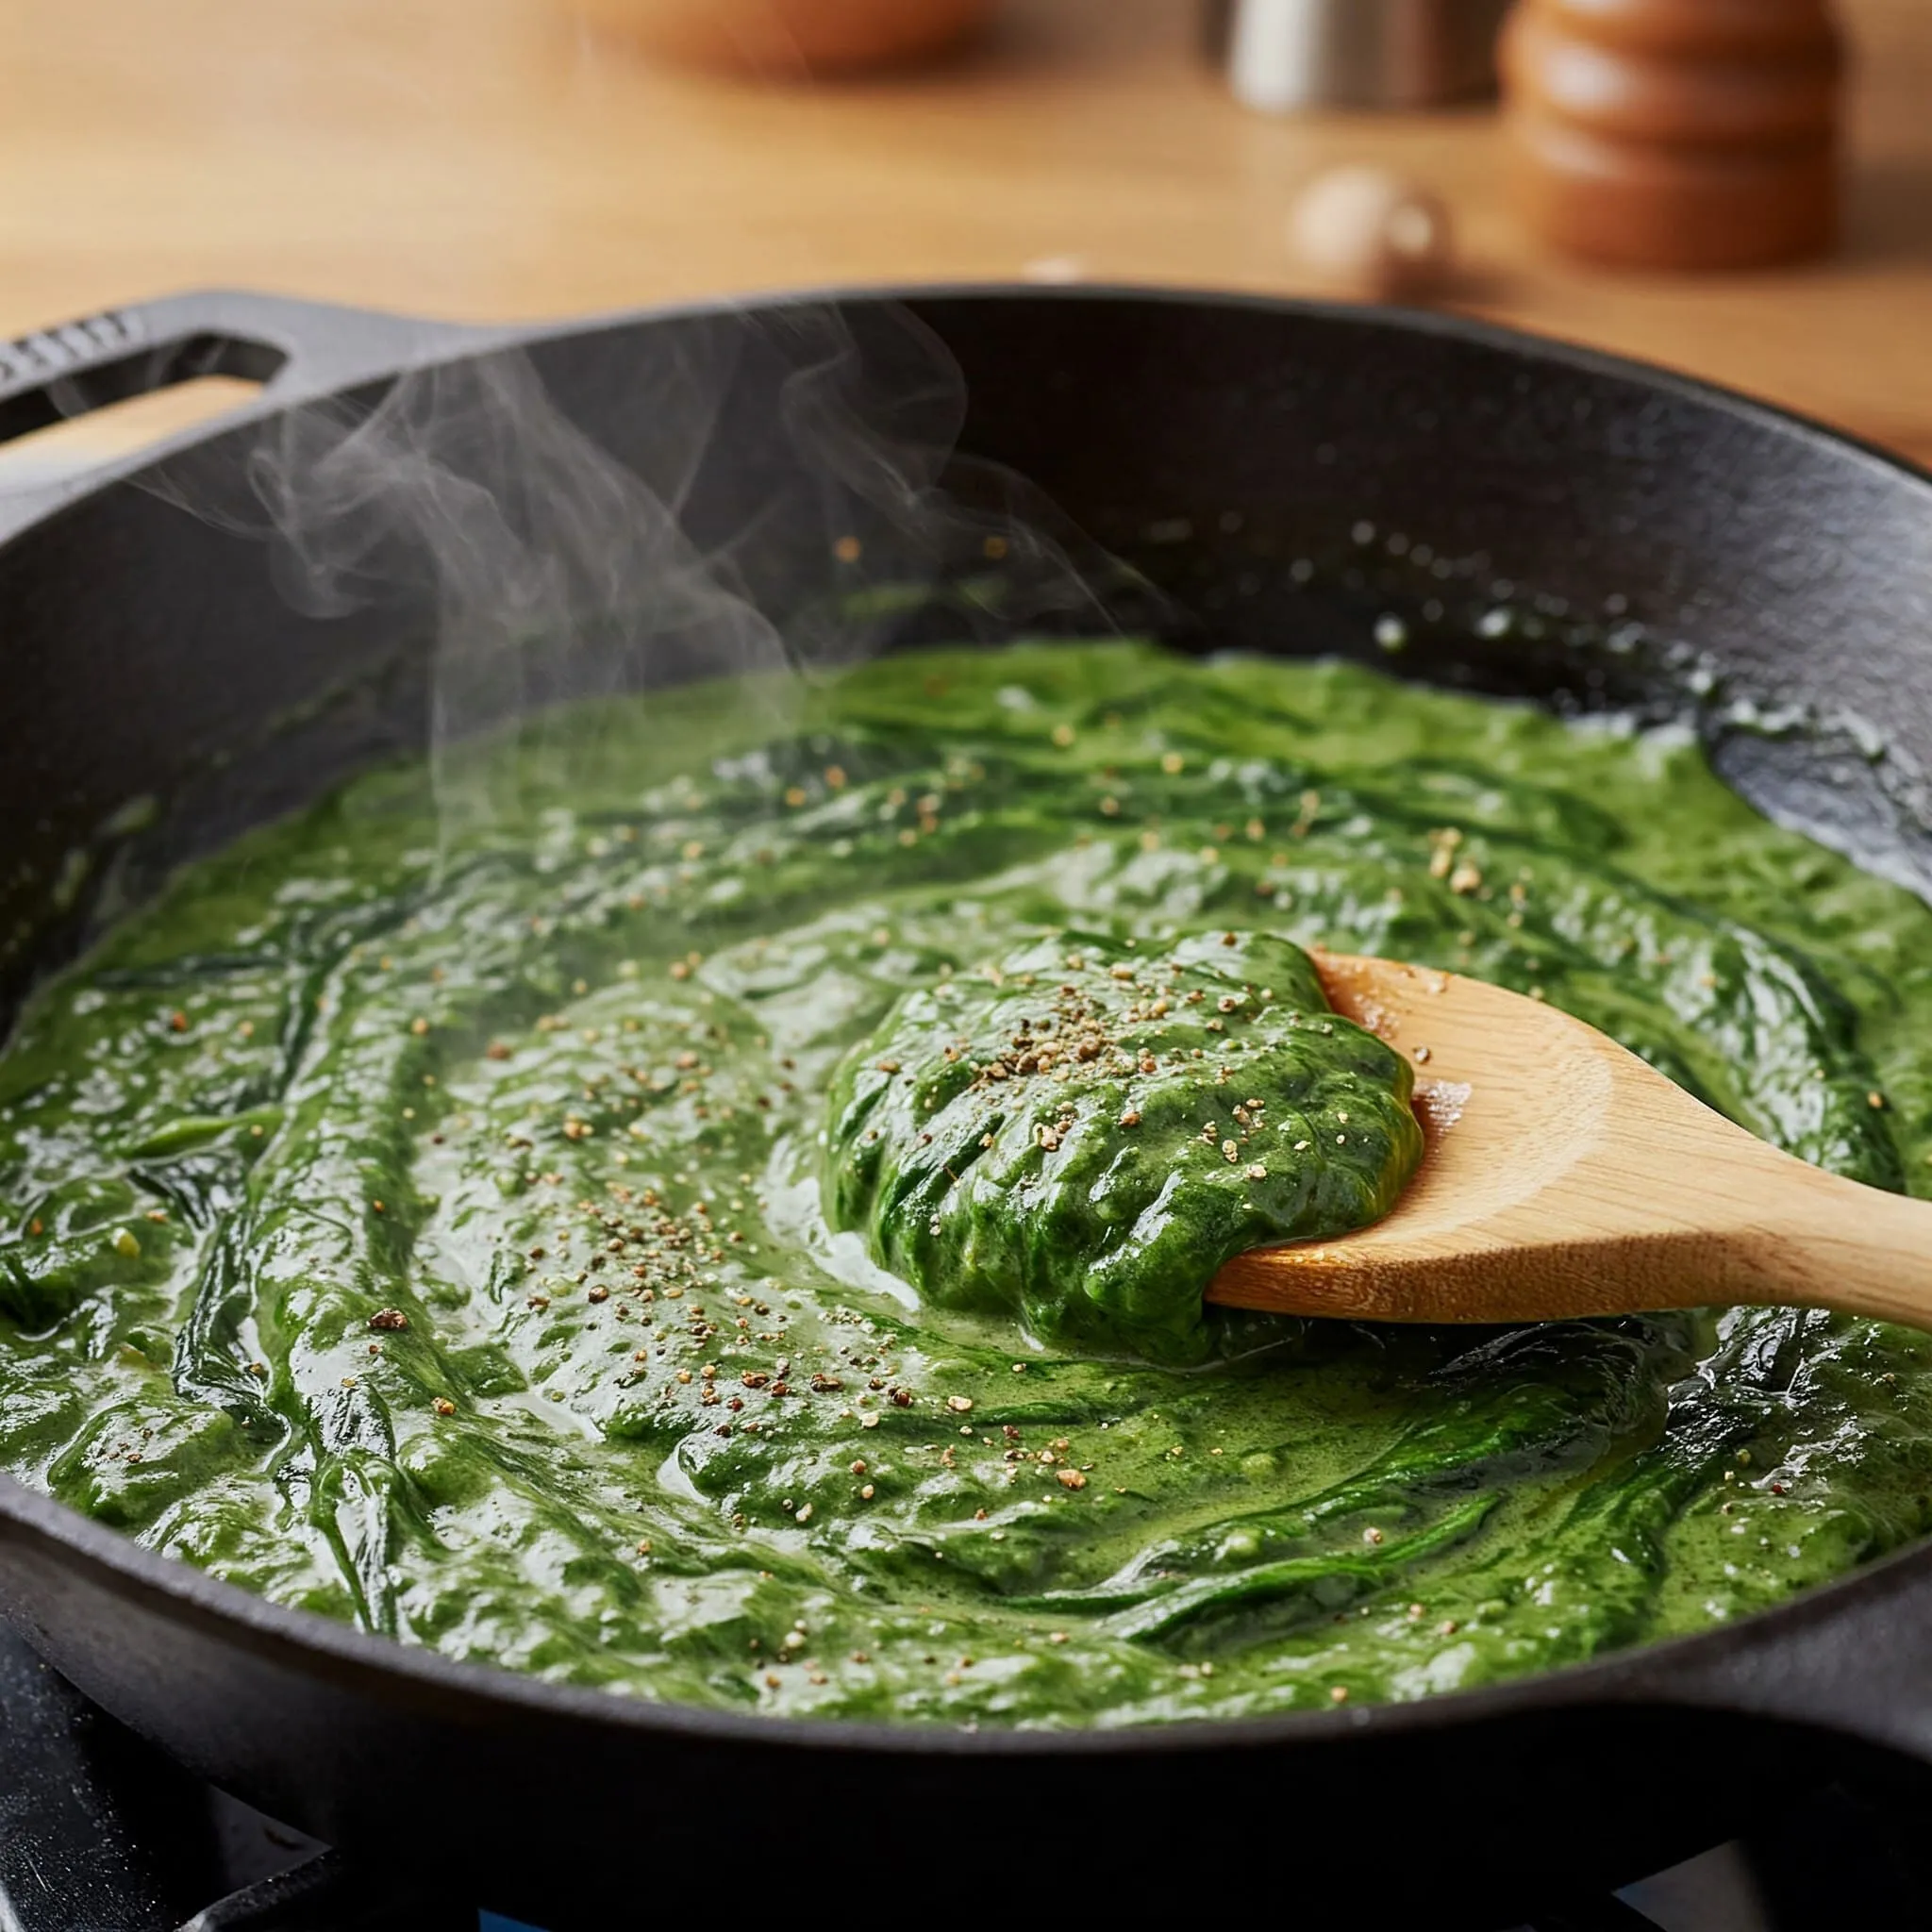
column 297, row 350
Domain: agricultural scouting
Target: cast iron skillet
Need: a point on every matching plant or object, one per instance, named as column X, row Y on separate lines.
column 1547, row 523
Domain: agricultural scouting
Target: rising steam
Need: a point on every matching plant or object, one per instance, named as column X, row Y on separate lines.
column 546, row 570
column 788, row 503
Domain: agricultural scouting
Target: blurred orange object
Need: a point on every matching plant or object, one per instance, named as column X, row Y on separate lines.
column 1676, row 134
column 797, row 36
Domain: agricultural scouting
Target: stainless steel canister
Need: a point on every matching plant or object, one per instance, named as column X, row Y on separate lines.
column 1284, row 54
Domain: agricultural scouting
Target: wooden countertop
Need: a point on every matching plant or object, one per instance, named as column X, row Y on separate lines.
column 483, row 158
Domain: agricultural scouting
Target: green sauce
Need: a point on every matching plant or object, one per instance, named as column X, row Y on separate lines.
column 425, row 1227
column 1082, row 1132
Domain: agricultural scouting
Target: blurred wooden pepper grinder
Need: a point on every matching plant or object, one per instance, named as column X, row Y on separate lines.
column 1676, row 134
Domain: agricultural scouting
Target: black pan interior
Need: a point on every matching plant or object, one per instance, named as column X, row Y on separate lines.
column 1263, row 476
column 1545, row 524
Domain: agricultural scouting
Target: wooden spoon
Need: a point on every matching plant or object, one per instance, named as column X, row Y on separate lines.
column 1564, row 1177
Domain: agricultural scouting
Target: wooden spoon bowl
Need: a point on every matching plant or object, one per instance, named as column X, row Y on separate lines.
column 1564, row 1177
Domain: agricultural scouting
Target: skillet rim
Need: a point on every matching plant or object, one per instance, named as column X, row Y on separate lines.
column 1683, row 1671
column 1662, row 1674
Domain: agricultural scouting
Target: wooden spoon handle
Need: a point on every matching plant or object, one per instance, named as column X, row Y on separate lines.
column 1723, row 1217
column 1827, row 1243
column 1730, row 1221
